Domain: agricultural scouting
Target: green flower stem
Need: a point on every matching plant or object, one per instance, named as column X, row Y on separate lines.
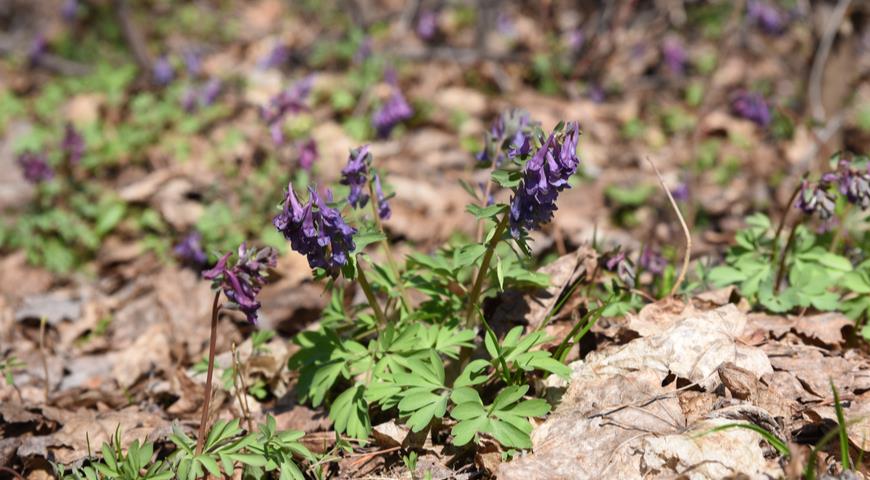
column 203, row 422
column 779, row 228
column 484, row 269
column 370, row 295
column 387, row 250
column 780, row 271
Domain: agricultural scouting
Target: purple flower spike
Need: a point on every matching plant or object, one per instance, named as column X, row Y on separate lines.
column 189, row 250
column 242, row 282
column 427, row 25
column 35, row 167
column 510, row 135
column 675, row 55
column 355, row 175
column 384, row 211
column 751, row 106
column 544, row 176
column 316, row 231
column 652, row 260
column 290, row 101
column 394, row 111
column 767, row 17
column 162, row 71
column 73, row 145
column 307, row 154
column 854, row 184
column 816, row 199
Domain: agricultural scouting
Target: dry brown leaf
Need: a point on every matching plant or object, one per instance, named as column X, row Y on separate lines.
column 826, row 328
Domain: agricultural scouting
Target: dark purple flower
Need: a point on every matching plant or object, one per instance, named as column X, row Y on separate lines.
column 652, row 260
column 394, row 111
column 544, row 176
column 766, row 16
column 72, row 145
column 316, row 231
column 675, row 56
column 816, row 199
column 242, row 282
column 70, row 9
column 276, row 57
column 162, row 71
column 355, row 175
column 854, row 184
column 681, row 192
column 307, row 153
column 427, row 25
column 751, row 106
column 192, row 63
column 189, row 250
column 292, row 100
column 35, row 167
column 509, row 135
column 620, row 264
column 37, row 50
column 384, row 210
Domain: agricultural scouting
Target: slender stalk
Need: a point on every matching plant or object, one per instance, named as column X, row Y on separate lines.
column 203, row 422
column 370, row 295
column 841, row 229
column 391, row 261
column 781, row 225
column 484, row 268
column 44, row 358
column 239, row 379
column 780, row 271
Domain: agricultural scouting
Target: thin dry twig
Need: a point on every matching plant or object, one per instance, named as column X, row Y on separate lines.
column 43, row 357
column 241, row 392
column 821, row 58
column 688, row 253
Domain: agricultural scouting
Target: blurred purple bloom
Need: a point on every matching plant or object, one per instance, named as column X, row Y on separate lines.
column 242, row 282
column 307, row 153
column 675, row 55
column 292, row 100
column 509, row 135
column 70, row 9
column 427, row 25
column 188, row 99
column 37, row 50
column 355, row 175
column 620, row 264
column 276, row 57
column 854, row 184
column 192, row 63
column 394, row 111
column 384, row 210
column 751, row 106
column 681, row 192
column 544, row 176
column 316, row 231
column 162, row 71
column 72, row 145
column 576, row 39
column 364, row 51
column 505, row 24
column 189, row 250
column 816, row 199
column 596, row 93
column 652, row 260
column 35, row 167
column 210, row 92
column 766, row 16
column 489, row 198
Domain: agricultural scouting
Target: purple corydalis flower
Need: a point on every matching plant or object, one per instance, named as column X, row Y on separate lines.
column 620, row 264
column 596, row 93
column 816, row 199
column 292, row 100
column 766, row 16
column 384, row 210
column 35, row 167
column 394, row 111
column 751, row 106
column 681, row 192
column 162, row 71
column 576, row 39
column 189, row 250
column 73, row 145
column 675, row 55
column 37, row 50
column 364, row 51
column 852, row 183
column 307, row 153
column 210, row 92
column 69, row 10
column 275, row 58
column 652, row 260
column 544, row 176
column 427, row 25
column 242, row 282
column 316, row 231
column 509, row 135
column 355, row 175
column 192, row 63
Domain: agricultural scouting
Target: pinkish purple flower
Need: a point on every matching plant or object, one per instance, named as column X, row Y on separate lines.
column 576, row 39
column 652, row 260
column 751, row 106
column 72, row 145
column 276, row 57
column 307, row 153
column 767, row 17
column 394, row 111
column 675, row 55
column 290, row 101
column 242, row 282
column 35, row 167
column 619, row 263
column 70, row 9
column 427, row 25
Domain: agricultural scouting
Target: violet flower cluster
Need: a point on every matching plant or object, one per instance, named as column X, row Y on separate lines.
column 619, row 263
column 509, row 135
column 544, row 176
column 241, row 283
column 767, row 17
column 752, row 107
column 393, row 112
column 817, row 199
column 355, row 175
column 162, row 71
column 292, row 100
column 307, row 153
column 427, row 25
column 316, row 231
column 195, row 98
column 675, row 55
column 35, row 167
column 72, row 145
column 852, row 183
column 190, row 251
column 652, row 260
